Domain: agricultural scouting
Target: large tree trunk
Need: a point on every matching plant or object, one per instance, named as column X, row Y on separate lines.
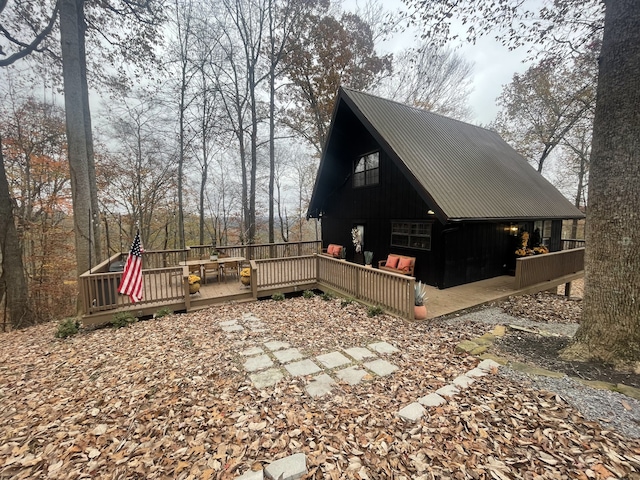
column 13, row 283
column 91, row 166
column 610, row 327
column 73, row 66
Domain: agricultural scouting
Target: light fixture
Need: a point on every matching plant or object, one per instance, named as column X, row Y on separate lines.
column 430, row 212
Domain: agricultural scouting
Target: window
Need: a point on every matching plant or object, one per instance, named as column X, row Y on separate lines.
column 544, row 231
column 411, row 235
column 367, row 170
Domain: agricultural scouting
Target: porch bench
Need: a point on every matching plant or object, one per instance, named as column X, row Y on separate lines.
column 401, row 264
column 332, row 251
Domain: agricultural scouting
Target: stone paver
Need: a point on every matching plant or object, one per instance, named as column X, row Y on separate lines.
column 487, row 365
column 276, row 345
column 383, row 347
column 303, row 367
column 320, row 385
column 288, row 355
column 412, row 412
column 249, row 352
column 333, row 359
column 266, row 378
column 431, row 400
column 233, row 328
column 228, row 323
column 287, row 468
column 258, row 475
column 462, row 381
column 256, row 327
column 359, row 353
column 476, row 372
column 381, row 367
column 351, row 375
column 260, row 362
column 448, row 391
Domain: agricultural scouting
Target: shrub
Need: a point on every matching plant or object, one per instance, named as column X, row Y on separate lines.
column 163, row 312
column 308, row 294
column 278, row 297
column 327, row 296
column 67, row 327
column 374, row 311
column 123, row 319
column 346, row 302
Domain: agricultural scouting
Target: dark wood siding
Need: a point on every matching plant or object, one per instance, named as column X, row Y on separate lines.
column 555, row 242
column 475, row 251
column 376, row 207
column 461, row 252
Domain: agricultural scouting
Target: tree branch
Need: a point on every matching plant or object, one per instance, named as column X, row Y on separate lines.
column 27, row 48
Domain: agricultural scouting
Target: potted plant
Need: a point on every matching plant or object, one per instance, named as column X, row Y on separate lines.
column 368, row 258
column 214, row 254
column 245, row 276
column 194, row 284
column 420, row 309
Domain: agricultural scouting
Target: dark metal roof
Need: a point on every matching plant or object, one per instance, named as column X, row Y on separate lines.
column 468, row 171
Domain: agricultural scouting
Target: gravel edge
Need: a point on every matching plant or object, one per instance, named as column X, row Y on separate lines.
column 612, row 410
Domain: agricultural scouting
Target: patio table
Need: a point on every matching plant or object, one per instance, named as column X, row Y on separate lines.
column 202, row 262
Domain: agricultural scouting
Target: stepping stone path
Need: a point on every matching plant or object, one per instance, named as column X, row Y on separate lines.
column 414, row 411
column 267, row 362
column 361, row 364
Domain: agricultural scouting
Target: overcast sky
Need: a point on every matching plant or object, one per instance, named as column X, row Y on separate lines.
column 494, row 65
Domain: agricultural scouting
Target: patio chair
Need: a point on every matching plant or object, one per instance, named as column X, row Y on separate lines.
column 211, row 270
column 231, row 268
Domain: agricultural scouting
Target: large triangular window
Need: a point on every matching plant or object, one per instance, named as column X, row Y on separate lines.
column 366, row 170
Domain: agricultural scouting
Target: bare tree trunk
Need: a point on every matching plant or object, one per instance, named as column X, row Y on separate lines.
column 272, row 150
column 13, row 283
column 91, row 166
column 75, row 110
column 610, row 326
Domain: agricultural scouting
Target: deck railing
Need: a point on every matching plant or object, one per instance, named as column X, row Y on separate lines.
column 272, row 250
column 164, row 258
column 161, row 285
column 389, row 290
column 285, row 272
column 542, row 268
column 570, row 243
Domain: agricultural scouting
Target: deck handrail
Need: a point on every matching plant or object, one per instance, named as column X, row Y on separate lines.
column 97, row 284
column 392, row 291
column 570, row 243
column 100, row 290
column 546, row 267
column 389, row 290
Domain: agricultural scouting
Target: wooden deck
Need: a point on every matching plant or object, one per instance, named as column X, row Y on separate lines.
column 167, row 287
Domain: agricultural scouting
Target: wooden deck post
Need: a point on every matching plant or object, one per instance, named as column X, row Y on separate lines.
column 187, row 295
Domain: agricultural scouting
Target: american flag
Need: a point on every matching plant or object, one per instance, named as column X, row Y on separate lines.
column 131, row 283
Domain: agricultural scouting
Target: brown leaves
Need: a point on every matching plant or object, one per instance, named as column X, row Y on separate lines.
column 169, row 398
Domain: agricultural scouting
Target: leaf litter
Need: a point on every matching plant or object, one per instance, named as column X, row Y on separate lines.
column 168, row 398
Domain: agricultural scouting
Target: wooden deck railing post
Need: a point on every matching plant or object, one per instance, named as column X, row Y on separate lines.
column 187, row 295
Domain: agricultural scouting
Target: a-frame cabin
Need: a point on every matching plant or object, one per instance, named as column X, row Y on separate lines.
column 451, row 194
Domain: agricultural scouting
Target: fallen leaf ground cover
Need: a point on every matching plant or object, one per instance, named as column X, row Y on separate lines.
column 168, row 398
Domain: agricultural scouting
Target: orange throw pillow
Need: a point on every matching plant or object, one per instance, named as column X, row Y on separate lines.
column 331, row 249
column 404, row 264
column 392, row 261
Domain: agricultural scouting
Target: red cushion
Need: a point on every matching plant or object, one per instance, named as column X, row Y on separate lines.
column 404, row 264
column 331, row 249
column 392, row 261
column 337, row 250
